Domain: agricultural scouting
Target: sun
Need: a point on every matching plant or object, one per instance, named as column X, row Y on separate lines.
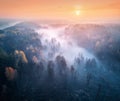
column 77, row 12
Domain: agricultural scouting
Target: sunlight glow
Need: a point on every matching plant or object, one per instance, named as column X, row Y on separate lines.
column 77, row 12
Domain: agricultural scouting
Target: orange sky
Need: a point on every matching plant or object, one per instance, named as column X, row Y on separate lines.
column 91, row 10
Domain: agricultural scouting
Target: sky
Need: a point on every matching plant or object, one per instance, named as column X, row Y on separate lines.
column 89, row 10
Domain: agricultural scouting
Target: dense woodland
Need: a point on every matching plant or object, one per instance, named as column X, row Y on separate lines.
column 26, row 75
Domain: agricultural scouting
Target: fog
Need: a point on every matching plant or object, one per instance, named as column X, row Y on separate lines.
column 10, row 24
column 56, row 38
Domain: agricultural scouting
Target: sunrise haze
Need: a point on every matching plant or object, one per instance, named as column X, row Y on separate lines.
column 82, row 10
